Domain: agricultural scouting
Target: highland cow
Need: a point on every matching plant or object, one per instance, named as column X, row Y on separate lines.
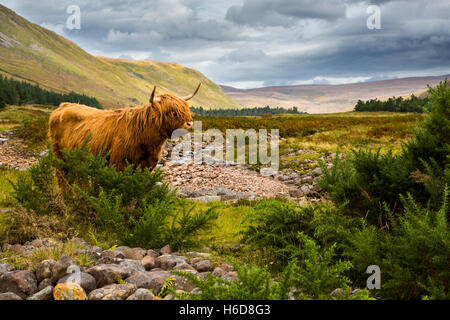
column 136, row 135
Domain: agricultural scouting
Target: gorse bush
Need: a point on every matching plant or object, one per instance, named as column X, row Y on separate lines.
column 253, row 283
column 367, row 180
column 34, row 132
column 133, row 206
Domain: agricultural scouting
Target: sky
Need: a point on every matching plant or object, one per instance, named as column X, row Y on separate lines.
column 255, row 43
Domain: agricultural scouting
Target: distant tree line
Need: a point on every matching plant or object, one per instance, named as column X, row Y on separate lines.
column 257, row 111
column 21, row 93
column 412, row 104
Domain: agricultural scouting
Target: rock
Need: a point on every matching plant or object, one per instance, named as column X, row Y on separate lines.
column 165, row 250
column 113, row 292
column 207, row 199
column 219, row 272
column 203, row 266
column 338, row 293
column 227, row 267
column 168, row 262
column 44, row 270
column 133, row 265
column 296, row 193
column 69, row 291
column 112, row 254
column 157, row 280
column 194, row 254
column 142, row 294
column 105, row 274
column 183, row 266
column 134, row 253
column 45, row 283
column 195, row 260
column 148, row 262
column 85, row 280
column 9, row 296
column 59, row 269
column 152, row 253
column 22, row 283
column 44, row 294
column 232, row 276
column 6, row 267
column 140, row 280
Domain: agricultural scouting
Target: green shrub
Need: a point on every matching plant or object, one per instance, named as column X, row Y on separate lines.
column 316, row 272
column 132, row 206
column 367, row 180
column 414, row 256
column 254, row 283
column 34, row 132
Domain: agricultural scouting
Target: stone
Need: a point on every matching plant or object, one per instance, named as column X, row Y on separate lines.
column 168, row 262
column 44, row 294
column 142, row 294
column 227, row 267
column 45, row 283
column 219, row 272
column 6, row 267
column 203, row 266
column 165, row 250
column 134, row 253
column 9, row 296
column 133, row 265
column 105, row 274
column 59, row 269
column 44, row 270
column 157, row 280
column 195, row 260
column 23, row 283
column 85, row 280
column 113, row 292
column 153, row 253
column 140, row 280
column 112, row 254
column 183, row 266
column 148, row 262
column 194, row 254
column 69, row 291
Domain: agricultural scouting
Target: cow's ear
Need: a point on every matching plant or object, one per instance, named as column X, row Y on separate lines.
column 152, row 97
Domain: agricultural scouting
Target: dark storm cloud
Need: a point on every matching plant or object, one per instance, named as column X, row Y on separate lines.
column 262, row 42
column 284, row 12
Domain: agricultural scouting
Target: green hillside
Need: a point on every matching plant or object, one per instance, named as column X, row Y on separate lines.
column 35, row 54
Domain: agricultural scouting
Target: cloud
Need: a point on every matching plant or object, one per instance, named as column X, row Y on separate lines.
column 284, row 13
column 262, row 42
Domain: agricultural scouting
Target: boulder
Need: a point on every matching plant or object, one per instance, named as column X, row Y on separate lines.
column 45, row 283
column 105, row 274
column 148, row 262
column 9, row 296
column 113, row 292
column 69, row 291
column 134, row 253
column 44, row 294
column 142, row 294
column 22, row 283
column 168, row 262
column 6, row 267
column 59, row 269
column 165, row 250
column 85, row 280
column 203, row 266
column 44, row 270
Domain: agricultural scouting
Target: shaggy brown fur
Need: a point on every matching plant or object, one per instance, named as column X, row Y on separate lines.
column 133, row 134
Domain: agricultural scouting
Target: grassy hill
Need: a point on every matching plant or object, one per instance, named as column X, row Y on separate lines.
column 35, row 54
column 331, row 98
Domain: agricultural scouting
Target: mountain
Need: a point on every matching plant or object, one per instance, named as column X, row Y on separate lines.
column 330, row 98
column 34, row 54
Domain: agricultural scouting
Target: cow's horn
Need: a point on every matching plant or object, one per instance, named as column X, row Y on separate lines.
column 193, row 95
column 152, row 97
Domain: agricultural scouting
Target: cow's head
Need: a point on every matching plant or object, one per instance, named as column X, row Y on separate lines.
column 174, row 111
